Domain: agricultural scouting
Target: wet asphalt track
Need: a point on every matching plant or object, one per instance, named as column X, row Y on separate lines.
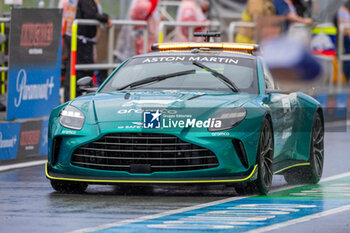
column 28, row 204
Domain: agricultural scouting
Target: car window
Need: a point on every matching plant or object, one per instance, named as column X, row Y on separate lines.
column 241, row 71
column 269, row 81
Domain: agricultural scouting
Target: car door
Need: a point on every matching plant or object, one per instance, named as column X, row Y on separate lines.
column 281, row 109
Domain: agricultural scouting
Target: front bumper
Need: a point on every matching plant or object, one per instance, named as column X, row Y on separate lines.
column 251, row 175
column 229, row 170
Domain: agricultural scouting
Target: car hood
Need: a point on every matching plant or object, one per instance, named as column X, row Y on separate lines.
column 129, row 105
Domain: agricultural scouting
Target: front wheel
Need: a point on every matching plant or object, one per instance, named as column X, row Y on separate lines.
column 310, row 174
column 264, row 161
column 68, row 186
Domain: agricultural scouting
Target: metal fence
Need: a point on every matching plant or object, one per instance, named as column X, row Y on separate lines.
column 232, row 29
column 234, row 26
column 191, row 25
column 3, row 68
column 163, row 26
column 111, row 36
column 163, row 7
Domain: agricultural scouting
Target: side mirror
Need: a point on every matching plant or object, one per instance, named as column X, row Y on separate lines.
column 86, row 84
column 273, row 91
column 277, row 91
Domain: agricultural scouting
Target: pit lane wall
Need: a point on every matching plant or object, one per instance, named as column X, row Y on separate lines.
column 23, row 140
column 336, row 107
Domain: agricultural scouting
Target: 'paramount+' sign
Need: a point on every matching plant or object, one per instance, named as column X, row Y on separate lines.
column 27, row 92
column 9, row 139
column 34, row 62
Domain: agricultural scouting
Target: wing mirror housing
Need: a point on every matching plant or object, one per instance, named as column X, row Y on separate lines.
column 269, row 92
column 276, row 91
column 86, row 84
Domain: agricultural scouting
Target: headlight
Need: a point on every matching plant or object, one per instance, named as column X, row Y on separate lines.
column 70, row 117
column 229, row 119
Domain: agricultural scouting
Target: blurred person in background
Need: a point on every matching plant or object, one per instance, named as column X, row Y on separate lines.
column 343, row 16
column 303, row 7
column 287, row 9
column 191, row 11
column 88, row 9
column 253, row 9
column 130, row 40
column 299, row 69
column 145, row 10
column 80, row 9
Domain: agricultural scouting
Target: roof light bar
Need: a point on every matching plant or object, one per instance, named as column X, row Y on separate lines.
column 224, row 46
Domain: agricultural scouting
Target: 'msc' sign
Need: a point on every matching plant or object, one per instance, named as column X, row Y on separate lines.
column 34, row 62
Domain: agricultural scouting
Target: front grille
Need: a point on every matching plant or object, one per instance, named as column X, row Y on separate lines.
column 143, row 153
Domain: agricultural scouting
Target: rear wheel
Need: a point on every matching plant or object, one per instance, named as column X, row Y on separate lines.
column 264, row 161
column 68, row 186
column 310, row 174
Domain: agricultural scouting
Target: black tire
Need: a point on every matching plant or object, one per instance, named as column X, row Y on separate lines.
column 310, row 174
column 265, row 163
column 68, row 186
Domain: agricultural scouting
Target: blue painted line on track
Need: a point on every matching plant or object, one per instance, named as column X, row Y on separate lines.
column 249, row 213
column 209, row 219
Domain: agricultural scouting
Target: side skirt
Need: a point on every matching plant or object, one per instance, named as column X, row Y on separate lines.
column 282, row 166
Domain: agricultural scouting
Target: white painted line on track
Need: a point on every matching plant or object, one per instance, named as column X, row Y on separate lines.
column 335, row 177
column 21, row 165
column 300, row 220
column 153, row 216
column 176, row 211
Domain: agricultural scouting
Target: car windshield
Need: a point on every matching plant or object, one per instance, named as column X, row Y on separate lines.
column 240, row 71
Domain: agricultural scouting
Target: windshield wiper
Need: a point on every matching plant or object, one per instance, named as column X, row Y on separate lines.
column 218, row 75
column 157, row 79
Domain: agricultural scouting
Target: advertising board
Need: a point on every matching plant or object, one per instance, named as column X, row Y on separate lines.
column 34, row 62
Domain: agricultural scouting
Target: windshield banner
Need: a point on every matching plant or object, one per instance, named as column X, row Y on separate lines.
column 34, row 62
column 226, row 60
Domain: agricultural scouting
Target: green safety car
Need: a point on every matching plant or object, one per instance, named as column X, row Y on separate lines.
column 189, row 113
